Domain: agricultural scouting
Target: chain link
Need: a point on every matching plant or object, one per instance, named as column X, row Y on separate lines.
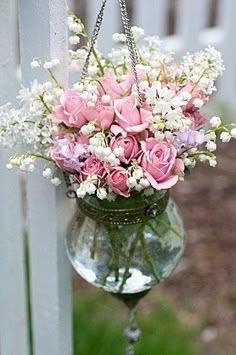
column 131, row 45
column 94, row 37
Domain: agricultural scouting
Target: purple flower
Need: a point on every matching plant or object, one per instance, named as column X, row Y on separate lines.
column 189, row 137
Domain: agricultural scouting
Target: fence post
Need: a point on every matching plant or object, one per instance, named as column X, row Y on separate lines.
column 13, row 314
column 226, row 21
column 191, row 20
column 151, row 15
column 43, row 33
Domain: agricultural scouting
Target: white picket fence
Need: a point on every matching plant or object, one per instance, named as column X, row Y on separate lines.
column 43, row 33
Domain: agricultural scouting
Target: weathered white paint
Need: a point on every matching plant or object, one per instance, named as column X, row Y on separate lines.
column 13, row 315
column 43, row 33
column 151, row 16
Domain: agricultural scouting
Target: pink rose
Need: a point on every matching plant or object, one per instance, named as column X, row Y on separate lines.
column 130, row 146
column 158, row 161
column 116, row 180
column 115, row 90
column 70, row 110
column 196, row 119
column 102, row 113
column 67, row 153
column 92, row 166
column 129, row 117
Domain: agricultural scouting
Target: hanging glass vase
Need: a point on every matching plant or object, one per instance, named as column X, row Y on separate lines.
column 126, row 246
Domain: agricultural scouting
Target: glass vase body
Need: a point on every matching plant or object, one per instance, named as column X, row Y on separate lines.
column 126, row 246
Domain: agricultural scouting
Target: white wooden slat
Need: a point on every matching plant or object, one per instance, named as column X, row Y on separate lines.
column 151, row 15
column 43, row 31
column 191, row 20
column 110, row 25
column 13, row 309
column 226, row 21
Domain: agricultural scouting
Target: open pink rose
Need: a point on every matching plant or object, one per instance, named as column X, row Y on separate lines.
column 67, row 153
column 102, row 113
column 130, row 146
column 129, row 117
column 116, row 180
column 111, row 87
column 70, row 110
column 92, row 166
column 158, row 161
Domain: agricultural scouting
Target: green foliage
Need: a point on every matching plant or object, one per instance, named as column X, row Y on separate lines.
column 99, row 322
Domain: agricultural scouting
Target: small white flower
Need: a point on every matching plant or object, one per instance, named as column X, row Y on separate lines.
column 225, row 137
column 107, row 152
column 212, row 162
column 102, row 193
column 34, row 64
column 90, row 188
column 198, row 103
column 190, row 163
column 106, row 99
column 56, row 181
column 203, row 158
column 211, row 146
column 80, row 192
column 9, row 166
column 47, row 173
column 76, row 27
column 118, row 151
column 138, row 174
column 131, row 182
column 73, row 40
column 215, row 121
column 87, row 129
column 119, row 37
column 144, row 183
column 47, row 65
column 233, row 132
column 55, row 62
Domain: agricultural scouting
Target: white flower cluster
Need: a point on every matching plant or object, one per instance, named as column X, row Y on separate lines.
column 24, row 162
column 99, row 148
column 203, row 68
column 166, row 108
column 31, row 124
column 137, row 181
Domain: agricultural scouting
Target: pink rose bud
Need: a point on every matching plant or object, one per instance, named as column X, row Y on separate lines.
column 103, row 113
column 129, row 145
column 158, row 161
column 92, row 166
column 70, row 110
column 117, row 179
column 129, row 117
column 115, row 90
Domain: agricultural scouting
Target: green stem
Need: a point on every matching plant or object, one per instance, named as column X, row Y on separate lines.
column 130, row 256
column 98, row 62
column 44, row 103
column 54, row 78
column 149, row 259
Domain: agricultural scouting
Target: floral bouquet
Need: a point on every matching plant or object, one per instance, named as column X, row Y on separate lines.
column 127, row 130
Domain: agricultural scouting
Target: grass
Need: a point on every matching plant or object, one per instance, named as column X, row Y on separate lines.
column 99, row 322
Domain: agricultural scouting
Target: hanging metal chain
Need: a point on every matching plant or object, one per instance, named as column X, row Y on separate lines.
column 129, row 37
column 131, row 45
column 94, row 37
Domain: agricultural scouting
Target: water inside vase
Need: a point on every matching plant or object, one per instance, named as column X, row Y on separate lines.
column 127, row 259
